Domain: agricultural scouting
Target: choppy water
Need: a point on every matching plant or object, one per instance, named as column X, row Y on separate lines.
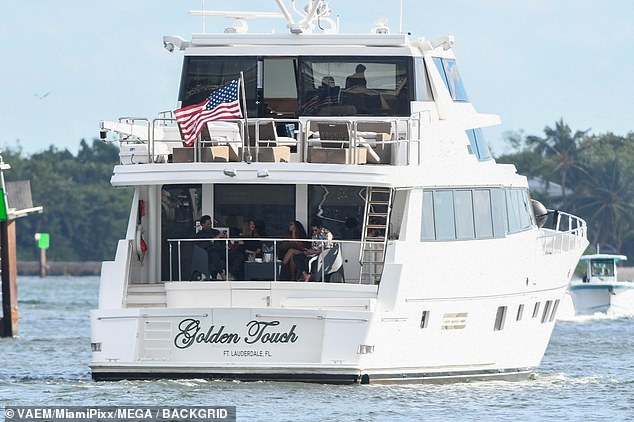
column 587, row 374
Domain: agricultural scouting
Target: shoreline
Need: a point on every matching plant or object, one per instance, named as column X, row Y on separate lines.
column 60, row 268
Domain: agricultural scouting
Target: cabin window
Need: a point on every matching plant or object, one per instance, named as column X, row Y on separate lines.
column 428, row 231
column 478, row 144
column 423, row 87
column 464, row 214
column 499, row 318
column 444, row 215
column 279, row 89
column 483, row 214
column 519, row 212
column 602, row 267
column 520, row 312
column 449, row 73
column 272, row 206
column 463, row 202
column 340, row 207
column 203, row 75
column 181, row 207
column 536, row 309
column 554, row 311
column 498, row 210
column 546, row 312
column 363, row 86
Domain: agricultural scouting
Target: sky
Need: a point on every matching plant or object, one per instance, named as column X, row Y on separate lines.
column 68, row 64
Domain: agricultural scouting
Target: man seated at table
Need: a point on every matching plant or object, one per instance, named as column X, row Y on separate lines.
column 306, row 263
column 217, row 251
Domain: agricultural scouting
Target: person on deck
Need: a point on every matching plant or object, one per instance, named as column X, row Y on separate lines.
column 322, row 239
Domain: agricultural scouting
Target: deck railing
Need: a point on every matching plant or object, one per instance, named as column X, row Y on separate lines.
column 564, row 232
column 333, row 260
column 154, row 141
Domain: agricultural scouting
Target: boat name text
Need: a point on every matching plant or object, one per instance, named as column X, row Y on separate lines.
column 262, row 332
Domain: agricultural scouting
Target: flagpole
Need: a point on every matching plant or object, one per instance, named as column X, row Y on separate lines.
column 246, row 123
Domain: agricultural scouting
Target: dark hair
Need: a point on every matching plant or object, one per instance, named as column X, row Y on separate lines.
column 204, row 219
column 299, row 230
column 317, row 222
column 360, row 68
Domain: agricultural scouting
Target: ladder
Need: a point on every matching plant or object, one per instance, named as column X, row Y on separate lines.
column 378, row 205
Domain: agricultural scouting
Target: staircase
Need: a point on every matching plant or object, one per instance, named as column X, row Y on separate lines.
column 146, row 296
column 378, row 204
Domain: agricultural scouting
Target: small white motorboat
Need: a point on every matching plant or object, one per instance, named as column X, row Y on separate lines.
column 599, row 290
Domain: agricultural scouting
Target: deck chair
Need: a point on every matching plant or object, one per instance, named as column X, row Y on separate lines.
column 329, row 133
column 375, row 137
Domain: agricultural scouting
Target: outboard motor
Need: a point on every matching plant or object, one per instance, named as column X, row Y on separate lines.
column 540, row 212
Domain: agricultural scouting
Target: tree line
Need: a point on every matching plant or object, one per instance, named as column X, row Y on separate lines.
column 593, row 177
column 84, row 215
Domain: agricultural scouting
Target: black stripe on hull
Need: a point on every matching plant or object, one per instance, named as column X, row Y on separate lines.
column 343, row 379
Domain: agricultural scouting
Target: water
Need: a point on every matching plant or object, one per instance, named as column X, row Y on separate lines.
column 587, row 374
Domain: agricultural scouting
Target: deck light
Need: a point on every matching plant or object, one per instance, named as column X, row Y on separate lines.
column 230, row 172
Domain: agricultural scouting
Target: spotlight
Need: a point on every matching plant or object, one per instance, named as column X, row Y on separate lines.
column 168, row 46
column 263, row 173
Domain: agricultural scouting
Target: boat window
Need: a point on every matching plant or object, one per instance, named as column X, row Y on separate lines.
column 272, row 206
column 279, row 89
column 479, row 213
column 465, row 228
column 519, row 210
column 343, row 86
column 520, row 312
column 546, row 311
column 180, row 209
column 478, row 144
column 482, row 213
column 498, row 211
column 202, row 75
column 449, row 72
column 536, row 309
column 602, row 268
column 554, row 311
column 423, row 88
column 427, row 224
column 500, row 316
column 341, row 208
column 444, row 215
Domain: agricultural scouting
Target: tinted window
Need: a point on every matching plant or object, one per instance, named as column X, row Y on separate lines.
column 464, row 214
column 338, row 86
column 427, row 225
column 423, row 89
column 478, row 144
column 449, row 72
column 444, row 215
column 482, row 213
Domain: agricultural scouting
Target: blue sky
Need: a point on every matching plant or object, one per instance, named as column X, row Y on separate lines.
column 532, row 62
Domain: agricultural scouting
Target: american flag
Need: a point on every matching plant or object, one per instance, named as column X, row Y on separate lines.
column 223, row 103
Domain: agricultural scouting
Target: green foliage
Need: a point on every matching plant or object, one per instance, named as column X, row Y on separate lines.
column 595, row 175
column 83, row 213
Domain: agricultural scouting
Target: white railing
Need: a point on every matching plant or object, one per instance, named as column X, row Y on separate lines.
column 403, row 136
column 182, row 269
column 568, row 232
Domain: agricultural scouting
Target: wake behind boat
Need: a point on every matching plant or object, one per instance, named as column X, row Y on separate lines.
column 600, row 290
column 428, row 261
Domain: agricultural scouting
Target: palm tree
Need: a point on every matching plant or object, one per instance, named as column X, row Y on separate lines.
column 605, row 198
column 562, row 153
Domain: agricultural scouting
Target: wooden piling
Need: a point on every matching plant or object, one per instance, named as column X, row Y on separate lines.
column 8, row 265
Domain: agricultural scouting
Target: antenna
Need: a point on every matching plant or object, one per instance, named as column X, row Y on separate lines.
column 203, row 15
column 400, row 20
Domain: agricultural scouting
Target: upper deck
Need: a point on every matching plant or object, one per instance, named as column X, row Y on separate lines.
column 377, row 105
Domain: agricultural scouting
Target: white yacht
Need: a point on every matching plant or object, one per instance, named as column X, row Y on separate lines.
column 439, row 268
column 600, row 290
